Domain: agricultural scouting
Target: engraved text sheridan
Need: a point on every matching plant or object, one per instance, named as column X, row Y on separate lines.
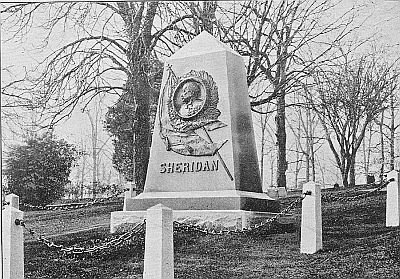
column 187, row 167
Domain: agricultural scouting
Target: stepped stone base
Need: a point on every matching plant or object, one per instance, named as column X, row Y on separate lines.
column 229, row 209
column 204, row 200
column 209, row 219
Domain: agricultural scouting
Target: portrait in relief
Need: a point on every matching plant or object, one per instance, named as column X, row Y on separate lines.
column 189, row 98
column 189, row 104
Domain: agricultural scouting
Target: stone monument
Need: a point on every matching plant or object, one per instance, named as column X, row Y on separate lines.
column 203, row 157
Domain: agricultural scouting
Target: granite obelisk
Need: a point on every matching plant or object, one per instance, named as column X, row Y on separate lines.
column 203, row 154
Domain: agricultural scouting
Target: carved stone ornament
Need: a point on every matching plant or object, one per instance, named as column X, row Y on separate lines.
column 193, row 101
column 189, row 103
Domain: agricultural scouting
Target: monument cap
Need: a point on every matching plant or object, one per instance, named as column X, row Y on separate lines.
column 202, row 44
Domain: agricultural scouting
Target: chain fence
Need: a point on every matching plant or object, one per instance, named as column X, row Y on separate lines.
column 134, row 235
column 180, row 226
column 72, row 205
column 331, row 197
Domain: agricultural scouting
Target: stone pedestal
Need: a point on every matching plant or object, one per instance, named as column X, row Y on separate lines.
column 131, row 193
column 311, row 219
column 13, row 200
column 205, row 200
column 209, row 219
column 159, row 244
column 12, row 240
column 393, row 200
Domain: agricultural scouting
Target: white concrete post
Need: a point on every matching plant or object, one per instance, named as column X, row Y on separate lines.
column 393, row 200
column 282, row 192
column 131, row 193
column 159, row 244
column 13, row 200
column 311, row 219
column 12, row 240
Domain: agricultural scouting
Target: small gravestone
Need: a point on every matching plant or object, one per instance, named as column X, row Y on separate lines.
column 203, row 154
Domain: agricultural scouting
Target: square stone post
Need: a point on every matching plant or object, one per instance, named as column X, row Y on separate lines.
column 13, row 200
column 159, row 244
column 393, row 200
column 131, row 193
column 12, row 240
column 311, row 219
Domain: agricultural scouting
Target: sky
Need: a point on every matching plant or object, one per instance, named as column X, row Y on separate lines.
column 382, row 19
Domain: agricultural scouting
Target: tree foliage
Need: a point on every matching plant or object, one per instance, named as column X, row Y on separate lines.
column 120, row 123
column 38, row 171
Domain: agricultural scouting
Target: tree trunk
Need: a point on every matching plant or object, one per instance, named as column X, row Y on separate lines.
column 94, row 136
column 308, row 145
column 262, row 119
column 281, row 140
column 392, row 132
column 312, row 160
column 298, row 147
column 344, row 178
column 382, row 170
column 367, row 151
column 209, row 8
column 83, row 171
column 142, row 133
column 352, row 171
column 272, row 170
column 138, row 84
column 310, row 141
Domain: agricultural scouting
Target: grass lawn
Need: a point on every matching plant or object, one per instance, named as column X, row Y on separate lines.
column 56, row 222
column 356, row 245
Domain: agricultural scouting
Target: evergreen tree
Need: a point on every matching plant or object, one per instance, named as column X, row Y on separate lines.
column 38, row 170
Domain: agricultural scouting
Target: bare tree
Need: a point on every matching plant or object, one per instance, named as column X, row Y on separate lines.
column 307, row 130
column 116, row 42
column 111, row 52
column 393, row 126
column 387, row 130
column 266, row 139
column 283, row 42
column 367, row 150
column 349, row 97
column 94, row 114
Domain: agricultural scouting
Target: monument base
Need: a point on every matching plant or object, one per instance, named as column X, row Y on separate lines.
column 208, row 219
column 228, row 209
column 204, row 200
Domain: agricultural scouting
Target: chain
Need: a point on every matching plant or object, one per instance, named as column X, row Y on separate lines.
column 331, row 198
column 135, row 234
column 75, row 206
column 251, row 228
